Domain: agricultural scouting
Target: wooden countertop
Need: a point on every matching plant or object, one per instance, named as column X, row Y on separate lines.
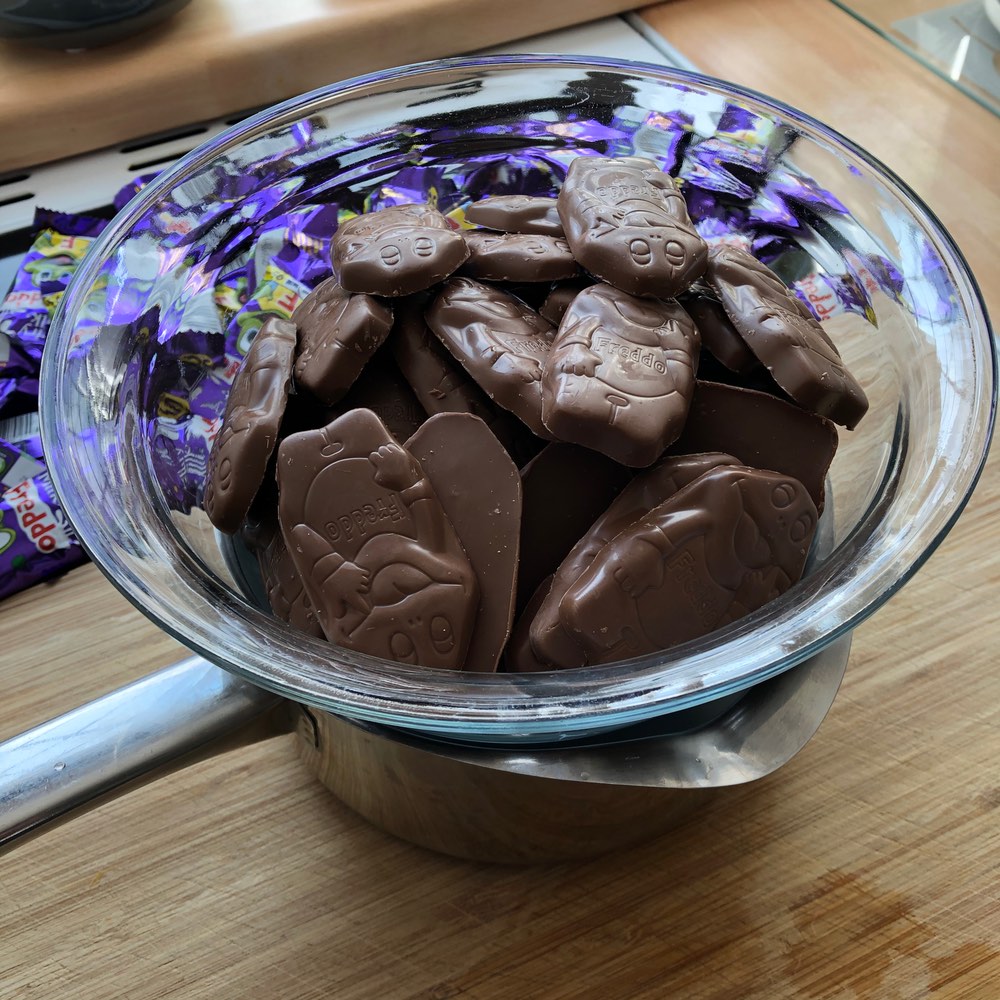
column 218, row 57
column 866, row 868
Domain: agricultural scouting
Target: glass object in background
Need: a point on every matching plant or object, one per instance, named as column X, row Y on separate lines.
column 958, row 41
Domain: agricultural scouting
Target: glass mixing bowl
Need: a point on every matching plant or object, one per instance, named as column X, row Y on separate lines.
column 142, row 351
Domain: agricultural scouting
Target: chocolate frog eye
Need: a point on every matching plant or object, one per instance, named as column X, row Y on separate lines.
column 801, row 527
column 402, row 648
column 674, row 252
column 423, row 246
column 441, row 634
column 391, row 254
column 640, row 252
column 782, row 495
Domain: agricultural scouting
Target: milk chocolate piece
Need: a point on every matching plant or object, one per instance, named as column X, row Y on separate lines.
column 395, row 251
column 285, row 591
column 443, row 386
column 565, row 488
column 516, row 257
column 628, row 224
column 519, row 657
column 498, row 340
column 480, row 490
column 380, row 561
column 794, row 348
column 256, row 403
column 762, row 431
column 560, row 296
column 517, row 213
column 550, row 642
column 717, row 550
column 382, row 389
column 719, row 336
column 620, row 374
column 338, row 332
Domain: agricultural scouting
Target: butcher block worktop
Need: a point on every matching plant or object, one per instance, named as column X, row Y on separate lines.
column 866, row 868
column 217, row 57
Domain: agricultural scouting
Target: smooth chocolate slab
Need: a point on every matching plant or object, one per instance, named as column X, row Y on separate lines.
column 565, row 488
column 241, row 451
column 620, row 374
column 762, row 431
column 396, row 251
column 792, row 345
column 338, row 332
column 517, row 213
column 498, row 340
column 717, row 550
column 517, row 257
column 628, row 224
column 550, row 642
column 480, row 490
column 718, row 335
column 381, row 563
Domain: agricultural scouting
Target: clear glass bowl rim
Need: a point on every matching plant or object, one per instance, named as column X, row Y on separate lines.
column 749, row 652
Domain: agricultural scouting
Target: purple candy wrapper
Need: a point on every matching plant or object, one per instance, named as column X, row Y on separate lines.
column 36, row 541
column 130, row 190
column 60, row 242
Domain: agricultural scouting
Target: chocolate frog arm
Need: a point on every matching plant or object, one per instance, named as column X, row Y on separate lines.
column 581, row 360
column 397, row 470
column 351, row 584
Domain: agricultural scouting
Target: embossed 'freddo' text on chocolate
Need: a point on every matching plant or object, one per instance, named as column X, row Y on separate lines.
column 381, row 563
column 620, row 374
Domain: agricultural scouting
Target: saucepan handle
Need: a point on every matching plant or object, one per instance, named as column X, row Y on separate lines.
column 185, row 713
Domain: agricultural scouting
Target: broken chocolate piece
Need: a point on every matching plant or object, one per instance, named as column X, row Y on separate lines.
column 620, row 374
column 762, row 431
column 794, row 348
column 565, row 488
column 256, row 404
column 550, row 642
column 338, row 332
column 380, row 561
column 517, row 213
column 717, row 550
column 480, row 490
column 498, row 340
column 516, row 257
column 628, row 224
column 395, row 251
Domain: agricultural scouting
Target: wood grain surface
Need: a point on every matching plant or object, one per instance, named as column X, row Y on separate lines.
column 866, row 868
column 217, row 57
